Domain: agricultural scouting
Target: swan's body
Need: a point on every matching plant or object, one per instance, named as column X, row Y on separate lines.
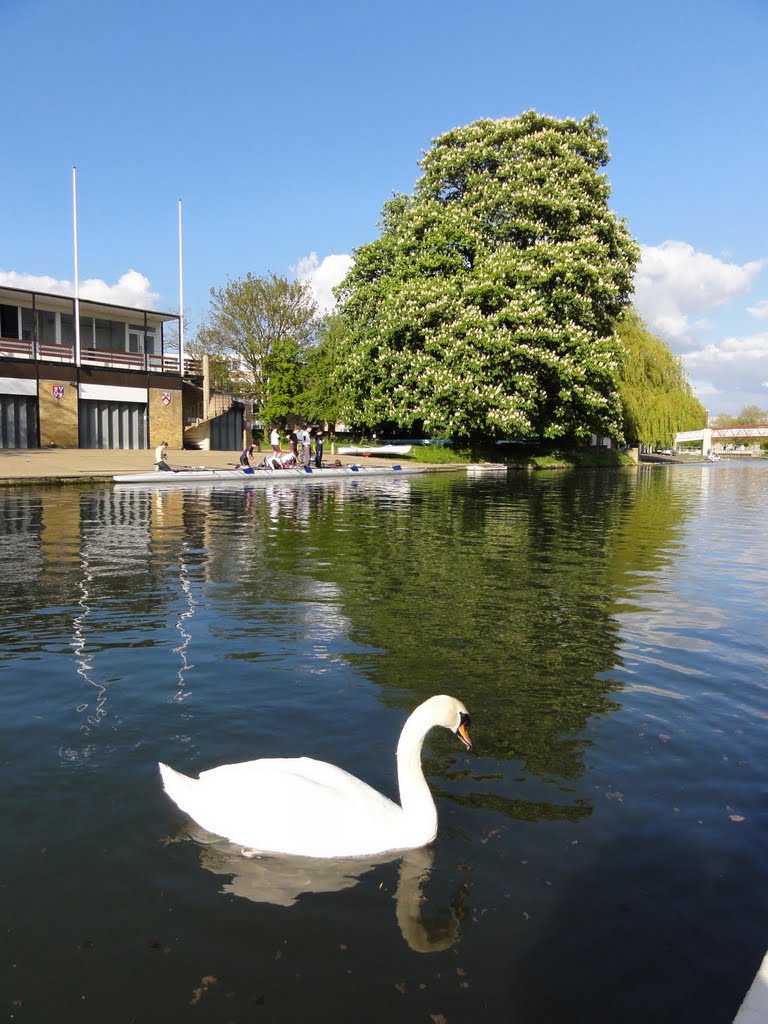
column 314, row 809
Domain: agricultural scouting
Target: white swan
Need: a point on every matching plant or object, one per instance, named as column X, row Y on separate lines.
column 314, row 809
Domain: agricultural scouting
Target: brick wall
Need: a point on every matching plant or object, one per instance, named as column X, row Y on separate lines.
column 58, row 416
column 165, row 418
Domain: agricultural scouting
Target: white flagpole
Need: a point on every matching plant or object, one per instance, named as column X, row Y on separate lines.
column 181, row 300
column 77, row 279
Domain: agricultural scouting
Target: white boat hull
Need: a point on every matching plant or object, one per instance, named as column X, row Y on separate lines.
column 262, row 475
column 382, row 449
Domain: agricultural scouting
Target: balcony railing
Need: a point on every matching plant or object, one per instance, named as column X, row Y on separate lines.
column 51, row 352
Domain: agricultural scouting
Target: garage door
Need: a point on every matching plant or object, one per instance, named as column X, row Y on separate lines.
column 113, row 424
column 18, row 421
column 227, row 431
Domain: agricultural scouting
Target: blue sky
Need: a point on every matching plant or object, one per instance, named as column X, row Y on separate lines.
column 284, row 127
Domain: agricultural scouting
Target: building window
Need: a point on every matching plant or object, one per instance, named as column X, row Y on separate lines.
column 142, row 341
column 110, row 335
column 46, row 326
column 27, row 324
column 67, row 329
column 9, row 321
column 86, row 332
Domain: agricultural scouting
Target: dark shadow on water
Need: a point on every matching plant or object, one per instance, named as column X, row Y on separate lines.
column 519, row 810
column 649, row 932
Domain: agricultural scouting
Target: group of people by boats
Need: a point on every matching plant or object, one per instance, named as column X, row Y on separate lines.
column 304, row 445
column 300, row 452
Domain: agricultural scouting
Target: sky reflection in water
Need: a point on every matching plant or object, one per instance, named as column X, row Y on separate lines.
column 601, row 855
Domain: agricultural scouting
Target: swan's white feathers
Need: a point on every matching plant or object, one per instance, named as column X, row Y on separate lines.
column 312, row 808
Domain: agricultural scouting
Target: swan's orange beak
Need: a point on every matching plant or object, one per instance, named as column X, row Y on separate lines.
column 462, row 732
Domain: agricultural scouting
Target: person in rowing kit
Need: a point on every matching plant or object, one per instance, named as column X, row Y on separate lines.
column 305, row 446
column 308, row 452
column 285, row 461
column 246, row 458
column 319, row 437
column 160, row 453
column 293, row 441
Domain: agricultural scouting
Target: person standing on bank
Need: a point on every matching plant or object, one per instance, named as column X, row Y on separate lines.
column 307, row 461
column 319, row 448
column 274, row 440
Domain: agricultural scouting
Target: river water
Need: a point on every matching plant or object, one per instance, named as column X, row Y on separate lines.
column 602, row 853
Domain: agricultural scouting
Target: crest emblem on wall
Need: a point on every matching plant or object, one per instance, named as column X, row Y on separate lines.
column 166, row 398
column 58, row 391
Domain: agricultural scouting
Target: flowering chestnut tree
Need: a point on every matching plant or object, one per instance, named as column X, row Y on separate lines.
column 487, row 303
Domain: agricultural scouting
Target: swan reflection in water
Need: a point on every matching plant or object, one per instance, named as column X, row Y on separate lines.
column 280, row 880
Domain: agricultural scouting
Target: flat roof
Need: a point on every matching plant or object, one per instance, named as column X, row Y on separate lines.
column 11, row 296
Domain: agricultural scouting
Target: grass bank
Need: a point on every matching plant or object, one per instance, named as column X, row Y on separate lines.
column 521, row 457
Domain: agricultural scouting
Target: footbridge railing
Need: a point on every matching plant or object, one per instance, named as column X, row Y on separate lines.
column 710, row 434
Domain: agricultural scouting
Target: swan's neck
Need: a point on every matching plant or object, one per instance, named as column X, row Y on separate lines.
column 415, row 797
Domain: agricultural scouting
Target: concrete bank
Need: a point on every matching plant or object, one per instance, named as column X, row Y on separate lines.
column 79, row 465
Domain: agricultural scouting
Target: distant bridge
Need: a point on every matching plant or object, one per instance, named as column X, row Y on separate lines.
column 710, row 434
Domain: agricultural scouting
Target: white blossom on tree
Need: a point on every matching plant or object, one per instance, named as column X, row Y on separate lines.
column 487, row 303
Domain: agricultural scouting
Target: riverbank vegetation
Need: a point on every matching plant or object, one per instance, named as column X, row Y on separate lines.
column 656, row 399
column 486, row 306
column 493, row 305
column 522, row 456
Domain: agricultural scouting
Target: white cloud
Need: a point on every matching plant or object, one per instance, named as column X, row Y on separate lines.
column 732, row 371
column 752, row 349
column 132, row 288
column 674, row 282
column 759, row 310
column 323, row 276
column 704, row 389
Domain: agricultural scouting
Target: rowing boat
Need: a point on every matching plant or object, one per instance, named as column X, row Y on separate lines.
column 308, row 474
column 382, row 449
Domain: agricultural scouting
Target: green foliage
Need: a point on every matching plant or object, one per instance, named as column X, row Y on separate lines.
column 753, row 414
column 267, row 323
column 319, row 401
column 749, row 416
column 486, row 305
column 283, row 372
column 437, row 455
column 594, row 457
column 656, row 398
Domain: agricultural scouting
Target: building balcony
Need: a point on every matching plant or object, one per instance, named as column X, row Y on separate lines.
column 55, row 352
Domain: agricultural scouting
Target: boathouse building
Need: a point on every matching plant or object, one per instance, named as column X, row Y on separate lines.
column 120, row 387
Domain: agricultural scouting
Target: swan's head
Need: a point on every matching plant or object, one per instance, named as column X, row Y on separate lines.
column 451, row 714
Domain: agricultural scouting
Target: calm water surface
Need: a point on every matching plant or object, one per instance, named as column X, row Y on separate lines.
column 602, row 854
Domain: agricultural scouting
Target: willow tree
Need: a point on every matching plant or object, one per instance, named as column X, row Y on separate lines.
column 656, row 397
column 487, row 303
